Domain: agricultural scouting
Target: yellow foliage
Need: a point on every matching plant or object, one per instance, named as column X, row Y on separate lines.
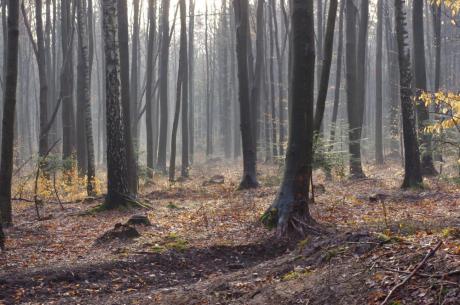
column 447, row 106
column 452, row 5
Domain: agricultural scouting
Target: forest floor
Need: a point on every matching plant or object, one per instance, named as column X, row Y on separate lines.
column 206, row 246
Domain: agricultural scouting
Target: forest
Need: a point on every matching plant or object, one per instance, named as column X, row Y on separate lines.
column 230, row 152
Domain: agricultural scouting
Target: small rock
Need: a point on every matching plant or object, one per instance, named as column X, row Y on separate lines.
column 120, row 231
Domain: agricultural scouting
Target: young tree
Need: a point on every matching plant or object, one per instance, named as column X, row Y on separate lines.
column 378, row 90
column 117, row 185
column 249, row 179
column 290, row 212
column 412, row 173
column 164, row 63
column 86, row 95
column 420, row 85
column 9, row 106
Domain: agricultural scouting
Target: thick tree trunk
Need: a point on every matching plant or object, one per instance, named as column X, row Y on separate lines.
column 164, row 63
column 420, row 85
column 86, row 95
column 9, row 106
column 378, row 87
column 290, row 212
column 412, row 175
column 117, row 185
column 249, row 179
column 127, row 108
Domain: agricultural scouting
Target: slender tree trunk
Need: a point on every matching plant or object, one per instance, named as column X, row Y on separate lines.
column 326, row 66
column 134, row 87
column 249, row 179
column 149, row 96
column 67, row 80
column 9, row 106
column 181, row 95
column 420, row 85
column 209, row 118
column 127, row 108
column 226, row 101
column 82, row 156
column 290, row 212
column 164, row 63
column 117, row 185
column 412, row 175
column 272, row 86
column 191, row 78
column 338, row 78
column 86, row 87
column 354, row 101
column 378, row 90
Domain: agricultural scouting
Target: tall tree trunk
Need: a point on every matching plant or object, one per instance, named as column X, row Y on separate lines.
column 9, row 113
column 82, row 156
column 191, row 78
column 420, row 85
column 41, row 59
column 127, row 108
column 149, row 95
column 86, row 87
column 209, row 118
column 326, row 66
column 164, row 63
column 272, row 85
column 181, row 95
column 437, row 24
column 281, row 102
column 249, row 179
column 412, row 175
column 226, row 101
column 134, row 97
column 378, row 87
column 255, row 98
column 117, row 185
column 354, row 101
column 290, row 212
column 338, row 78
column 67, row 80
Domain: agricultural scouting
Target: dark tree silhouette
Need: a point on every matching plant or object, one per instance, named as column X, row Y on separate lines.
column 9, row 108
column 249, row 179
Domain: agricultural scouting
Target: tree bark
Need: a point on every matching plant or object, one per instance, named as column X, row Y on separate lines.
column 86, row 87
column 164, row 62
column 117, row 185
column 420, row 85
column 249, row 179
column 127, row 108
column 412, row 169
column 9, row 106
column 290, row 212
column 378, row 90
column 326, row 65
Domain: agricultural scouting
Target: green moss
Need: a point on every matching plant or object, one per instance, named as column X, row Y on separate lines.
column 295, row 274
column 451, row 233
column 172, row 206
column 270, row 218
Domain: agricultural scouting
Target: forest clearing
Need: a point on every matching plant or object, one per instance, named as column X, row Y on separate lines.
column 206, row 245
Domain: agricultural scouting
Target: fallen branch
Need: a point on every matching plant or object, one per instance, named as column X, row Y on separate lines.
column 417, row 268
